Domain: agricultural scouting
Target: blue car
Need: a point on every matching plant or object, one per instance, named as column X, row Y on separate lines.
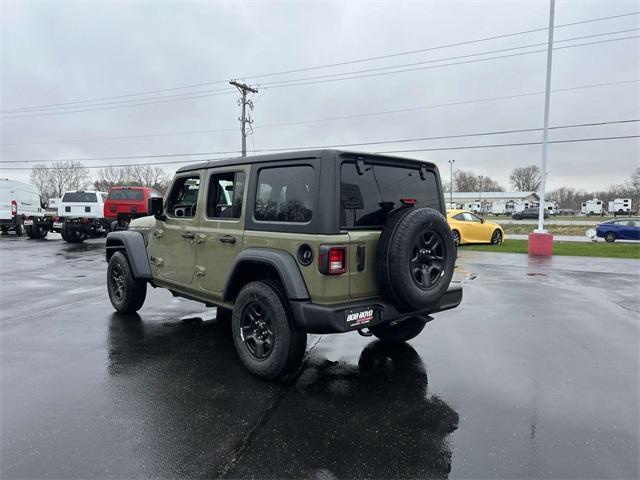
column 619, row 229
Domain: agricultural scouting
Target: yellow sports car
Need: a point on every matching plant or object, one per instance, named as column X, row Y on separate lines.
column 468, row 227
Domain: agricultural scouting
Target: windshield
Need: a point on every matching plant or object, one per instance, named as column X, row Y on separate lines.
column 367, row 199
column 126, row 194
column 81, row 197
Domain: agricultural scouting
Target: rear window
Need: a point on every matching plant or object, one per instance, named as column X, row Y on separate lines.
column 126, row 194
column 82, row 197
column 366, row 199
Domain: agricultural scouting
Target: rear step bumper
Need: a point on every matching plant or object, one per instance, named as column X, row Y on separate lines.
column 314, row 318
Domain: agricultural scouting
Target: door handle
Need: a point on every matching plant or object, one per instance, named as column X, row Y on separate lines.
column 227, row 239
column 188, row 235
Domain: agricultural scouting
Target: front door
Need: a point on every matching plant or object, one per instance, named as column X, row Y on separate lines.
column 219, row 239
column 176, row 235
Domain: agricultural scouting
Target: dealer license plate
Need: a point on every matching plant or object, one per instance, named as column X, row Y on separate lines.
column 57, row 224
column 359, row 317
column 28, row 223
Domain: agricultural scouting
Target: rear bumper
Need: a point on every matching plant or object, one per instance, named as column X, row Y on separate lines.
column 314, row 318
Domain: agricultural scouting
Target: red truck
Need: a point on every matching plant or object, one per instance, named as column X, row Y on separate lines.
column 125, row 203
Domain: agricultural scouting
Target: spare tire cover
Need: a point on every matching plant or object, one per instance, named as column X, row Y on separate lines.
column 416, row 257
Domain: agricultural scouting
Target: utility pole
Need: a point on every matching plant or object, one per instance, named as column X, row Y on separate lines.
column 244, row 117
column 480, row 192
column 545, row 132
column 451, row 162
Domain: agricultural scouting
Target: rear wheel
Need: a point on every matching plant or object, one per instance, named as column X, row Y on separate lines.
column 71, row 235
column 36, row 232
column 19, row 228
column 126, row 292
column 401, row 331
column 610, row 237
column 496, row 238
column 268, row 342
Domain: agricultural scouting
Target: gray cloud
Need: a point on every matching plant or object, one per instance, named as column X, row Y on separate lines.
column 65, row 51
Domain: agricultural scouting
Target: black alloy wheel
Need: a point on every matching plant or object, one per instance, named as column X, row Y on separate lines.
column 496, row 238
column 427, row 259
column 117, row 282
column 456, row 237
column 256, row 331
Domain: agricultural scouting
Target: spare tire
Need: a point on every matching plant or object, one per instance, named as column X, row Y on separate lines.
column 416, row 257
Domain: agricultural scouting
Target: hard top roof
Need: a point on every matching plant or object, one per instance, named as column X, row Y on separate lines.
column 274, row 157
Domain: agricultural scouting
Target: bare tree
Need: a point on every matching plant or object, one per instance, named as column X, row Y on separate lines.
column 526, row 179
column 55, row 178
column 467, row 181
column 110, row 177
column 147, row 176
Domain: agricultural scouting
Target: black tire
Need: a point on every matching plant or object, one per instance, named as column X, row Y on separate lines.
column 610, row 237
column 71, row 235
column 126, row 292
column 4, row 230
column 456, row 237
column 496, row 237
column 401, row 331
column 19, row 228
column 416, row 257
column 269, row 343
column 36, row 232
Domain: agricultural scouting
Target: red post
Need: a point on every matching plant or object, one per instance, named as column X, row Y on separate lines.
column 540, row 244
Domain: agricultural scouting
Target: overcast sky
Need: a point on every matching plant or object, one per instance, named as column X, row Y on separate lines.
column 56, row 52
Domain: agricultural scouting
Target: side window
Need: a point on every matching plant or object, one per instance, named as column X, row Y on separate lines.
column 224, row 199
column 183, row 198
column 285, row 194
column 459, row 217
column 469, row 217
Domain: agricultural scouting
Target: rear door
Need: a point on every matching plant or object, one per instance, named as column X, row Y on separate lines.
column 220, row 236
column 367, row 195
column 125, row 200
column 80, row 204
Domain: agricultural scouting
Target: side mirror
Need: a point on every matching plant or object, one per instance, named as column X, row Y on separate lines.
column 155, row 208
column 481, row 219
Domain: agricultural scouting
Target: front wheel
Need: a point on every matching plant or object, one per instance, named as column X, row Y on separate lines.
column 610, row 237
column 268, row 342
column 401, row 331
column 496, row 238
column 456, row 237
column 126, row 292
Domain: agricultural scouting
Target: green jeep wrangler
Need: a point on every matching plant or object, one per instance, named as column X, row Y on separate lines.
column 295, row 243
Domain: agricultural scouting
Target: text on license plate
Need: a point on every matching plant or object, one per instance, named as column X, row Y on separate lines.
column 360, row 316
column 57, row 224
column 28, row 222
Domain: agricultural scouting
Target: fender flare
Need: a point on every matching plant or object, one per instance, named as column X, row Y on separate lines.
column 283, row 262
column 134, row 245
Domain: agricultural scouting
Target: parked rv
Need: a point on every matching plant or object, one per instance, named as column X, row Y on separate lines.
column 17, row 200
column 592, row 207
column 502, row 208
column 620, row 206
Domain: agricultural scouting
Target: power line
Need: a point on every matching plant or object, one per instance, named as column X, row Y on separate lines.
column 325, row 80
column 318, row 67
column 464, row 147
column 461, row 56
column 328, row 119
column 316, row 147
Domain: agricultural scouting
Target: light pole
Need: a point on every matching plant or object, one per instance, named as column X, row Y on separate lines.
column 480, row 193
column 451, row 162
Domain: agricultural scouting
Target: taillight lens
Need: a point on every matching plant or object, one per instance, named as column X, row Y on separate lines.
column 14, row 208
column 332, row 260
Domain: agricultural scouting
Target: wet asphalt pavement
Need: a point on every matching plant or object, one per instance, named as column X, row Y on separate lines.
column 536, row 375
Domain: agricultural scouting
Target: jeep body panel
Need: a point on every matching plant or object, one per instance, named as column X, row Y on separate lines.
column 133, row 244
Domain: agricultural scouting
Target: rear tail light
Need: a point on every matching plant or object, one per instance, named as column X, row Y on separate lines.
column 85, row 220
column 332, row 260
column 56, row 219
column 14, row 208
